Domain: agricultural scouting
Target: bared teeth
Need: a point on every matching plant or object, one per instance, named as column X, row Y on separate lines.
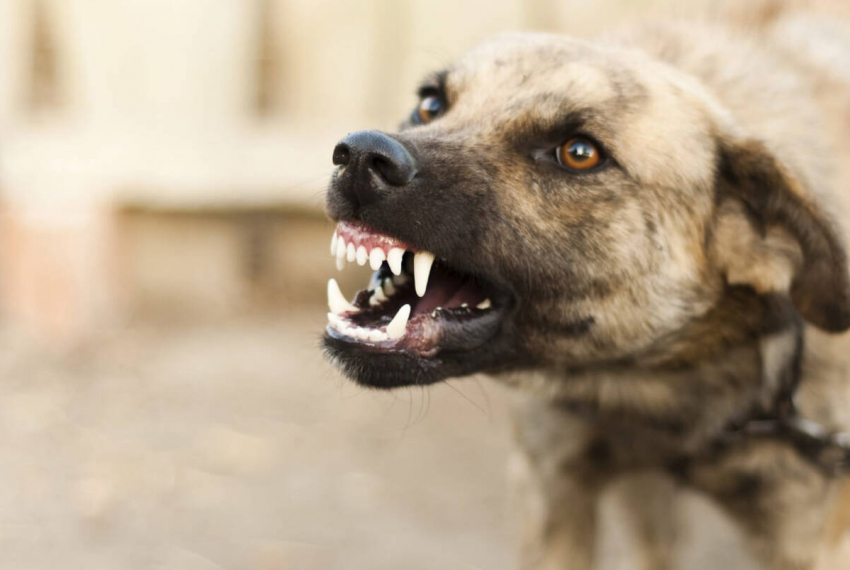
column 362, row 255
column 377, row 336
column 398, row 325
column 376, row 258
column 394, row 258
column 375, row 251
column 351, row 330
column 422, row 262
column 337, row 302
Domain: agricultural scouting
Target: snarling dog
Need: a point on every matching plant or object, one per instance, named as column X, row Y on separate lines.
column 641, row 236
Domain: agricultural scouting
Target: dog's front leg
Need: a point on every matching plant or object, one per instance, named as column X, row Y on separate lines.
column 559, row 488
column 558, row 524
column 781, row 499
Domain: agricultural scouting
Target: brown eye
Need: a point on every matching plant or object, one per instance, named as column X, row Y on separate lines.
column 428, row 110
column 578, row 154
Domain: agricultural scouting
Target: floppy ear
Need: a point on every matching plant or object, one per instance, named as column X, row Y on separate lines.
column 771, row 235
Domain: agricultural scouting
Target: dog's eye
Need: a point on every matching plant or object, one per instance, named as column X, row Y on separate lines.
column 428, row 110
column 578, row 154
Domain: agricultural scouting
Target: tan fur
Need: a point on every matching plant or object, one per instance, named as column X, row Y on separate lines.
column 767, row 262
column 697, row 84
column 673, row 322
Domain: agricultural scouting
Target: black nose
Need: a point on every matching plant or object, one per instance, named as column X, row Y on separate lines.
column 373, row 162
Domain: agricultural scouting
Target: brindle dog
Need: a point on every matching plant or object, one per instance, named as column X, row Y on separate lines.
column 639, row 234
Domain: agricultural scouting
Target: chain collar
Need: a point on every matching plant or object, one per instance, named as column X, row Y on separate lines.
column 828, row 450
column 780, row 419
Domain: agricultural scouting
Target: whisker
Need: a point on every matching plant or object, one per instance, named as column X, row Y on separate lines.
column 465, row 397
column 486, row 398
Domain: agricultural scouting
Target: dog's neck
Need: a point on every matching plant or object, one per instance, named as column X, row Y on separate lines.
column 740, row 361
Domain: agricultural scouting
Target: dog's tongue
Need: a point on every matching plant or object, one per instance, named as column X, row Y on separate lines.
column 448, row 291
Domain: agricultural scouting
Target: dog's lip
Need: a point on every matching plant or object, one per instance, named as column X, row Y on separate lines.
column 360, row 234
column 426, row 337
column 451, row 310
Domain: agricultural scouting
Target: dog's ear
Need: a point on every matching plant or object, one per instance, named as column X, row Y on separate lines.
column 770, row 234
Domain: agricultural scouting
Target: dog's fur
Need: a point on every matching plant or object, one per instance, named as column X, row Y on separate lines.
column 696, row 283
column 758, row 123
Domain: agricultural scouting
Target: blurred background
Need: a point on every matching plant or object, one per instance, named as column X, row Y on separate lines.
column 163, row 261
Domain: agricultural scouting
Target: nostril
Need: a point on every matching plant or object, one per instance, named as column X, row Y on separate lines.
column 342, row 155
column 394, row 172
column 381, row 165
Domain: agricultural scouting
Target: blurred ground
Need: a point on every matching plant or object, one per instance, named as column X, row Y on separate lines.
column 236, row 446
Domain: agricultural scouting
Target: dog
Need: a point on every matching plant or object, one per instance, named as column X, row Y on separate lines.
column 641, row 236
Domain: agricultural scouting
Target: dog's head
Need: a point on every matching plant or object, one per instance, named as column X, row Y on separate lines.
column 552, row 203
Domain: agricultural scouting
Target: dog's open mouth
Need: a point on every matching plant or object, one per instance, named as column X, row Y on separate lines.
column 414, row 303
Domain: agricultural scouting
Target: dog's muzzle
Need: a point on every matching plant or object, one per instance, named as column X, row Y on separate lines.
column 372, row 164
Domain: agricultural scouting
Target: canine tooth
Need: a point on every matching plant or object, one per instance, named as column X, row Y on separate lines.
column 485, row 304
column 337, row 301
column 377, row 336
column 376, row 257
column 422, row 263
column 362, row 255
column 350, row 253
column 394, row 260
column 335, row 320
column 340, row 263
column 398, row 325
column 388, row 287
column 333, row 244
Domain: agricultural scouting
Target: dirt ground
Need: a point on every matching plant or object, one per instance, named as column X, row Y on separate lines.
column 236, row 446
